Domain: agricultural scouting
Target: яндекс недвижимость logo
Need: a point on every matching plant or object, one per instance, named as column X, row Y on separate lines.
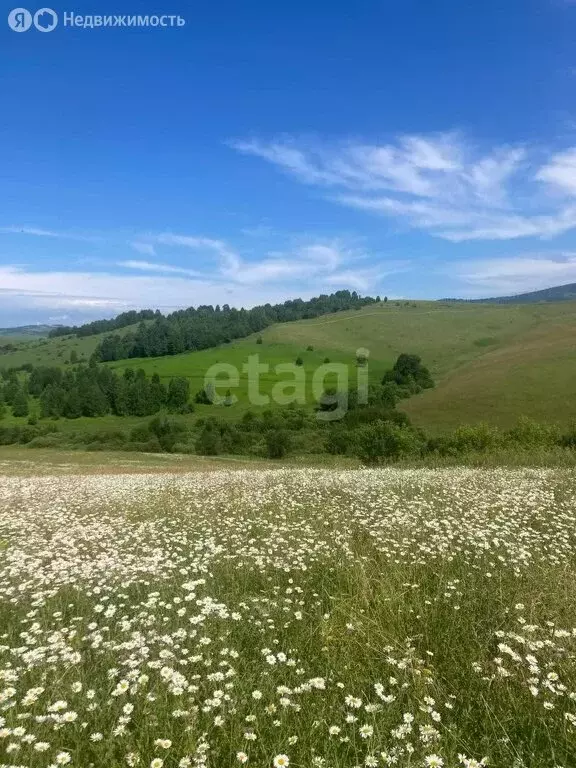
column 46, row 20
column 20, row 20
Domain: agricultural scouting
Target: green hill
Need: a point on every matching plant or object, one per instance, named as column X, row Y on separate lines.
column 533, row 374
column 556, row 293
column 24, row 331
column 49, row 351
column 491, row 362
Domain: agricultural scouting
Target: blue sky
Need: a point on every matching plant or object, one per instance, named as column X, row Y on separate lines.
column 271, row 150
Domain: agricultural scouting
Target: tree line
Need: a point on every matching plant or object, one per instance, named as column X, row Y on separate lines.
column 206, row 326
column 105, row 326
column 91, row 391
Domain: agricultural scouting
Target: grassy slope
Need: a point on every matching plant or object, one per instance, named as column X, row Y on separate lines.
column 534, row 375
column 492, row 362
column 46, row 351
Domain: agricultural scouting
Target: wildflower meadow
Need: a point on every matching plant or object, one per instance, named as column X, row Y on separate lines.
column 308, row 618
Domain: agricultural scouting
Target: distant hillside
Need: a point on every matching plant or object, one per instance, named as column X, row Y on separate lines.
column 28, row 330
column 556, row 293
column 491, row 362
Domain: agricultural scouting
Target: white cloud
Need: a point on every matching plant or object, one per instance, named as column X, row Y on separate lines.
column 38, row 232
column 439, row 183
column 305, row 270
column 515, row 274
column 146, row 249
column 326, row 264
column 112, row 293
column 188, row 241
column 560, row 171
column 148, row 266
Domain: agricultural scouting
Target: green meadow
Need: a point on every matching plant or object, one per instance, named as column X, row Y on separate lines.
column 491, row 363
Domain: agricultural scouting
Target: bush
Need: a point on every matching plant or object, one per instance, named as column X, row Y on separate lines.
column 568, row 438
column 48, row 441
column 478, row 438
column 183, row 448
column 277, row 444
column 337, row 442
column 208, row 442
column 530, row 434
column 106, row 436
column 167, row 431
column 204, row 397
column 386, row 441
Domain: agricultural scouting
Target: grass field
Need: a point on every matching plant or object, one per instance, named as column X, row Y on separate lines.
column 51, row 351
column 534, row 375
column 491, row 362
column 310, row 618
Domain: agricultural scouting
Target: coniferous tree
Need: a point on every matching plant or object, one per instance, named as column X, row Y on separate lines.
column 178, row 394
column 73, row 405
column 20, row 403
column 158, row 393
column 11, row 388
column 52, row 401
column 209, row 442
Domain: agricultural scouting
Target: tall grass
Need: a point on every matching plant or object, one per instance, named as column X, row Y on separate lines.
column 309, row 617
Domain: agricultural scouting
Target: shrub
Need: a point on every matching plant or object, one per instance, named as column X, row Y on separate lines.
column 277, row 443
column 386, row 441
column 337, row 442
column 47, row 441
column 530, row 434
column 208, row 442
column 166, row 431
column 478, row 438
column 205, row 396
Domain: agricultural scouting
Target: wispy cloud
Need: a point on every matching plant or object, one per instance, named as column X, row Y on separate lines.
column 102, row 294
column 191, row 241
column 148, row 266
column 439, row 183
column 146, row 249
column 166, row 282
column 325, row 264
column 38, row 232
column 515, row 274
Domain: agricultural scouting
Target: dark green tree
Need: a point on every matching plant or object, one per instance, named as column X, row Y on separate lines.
column 178, row 395
column 277, row 443
column 73, row 405
column 20, row 403
column 52, row 401
column 209, row 442
column 337, row 441
column 158, row 393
